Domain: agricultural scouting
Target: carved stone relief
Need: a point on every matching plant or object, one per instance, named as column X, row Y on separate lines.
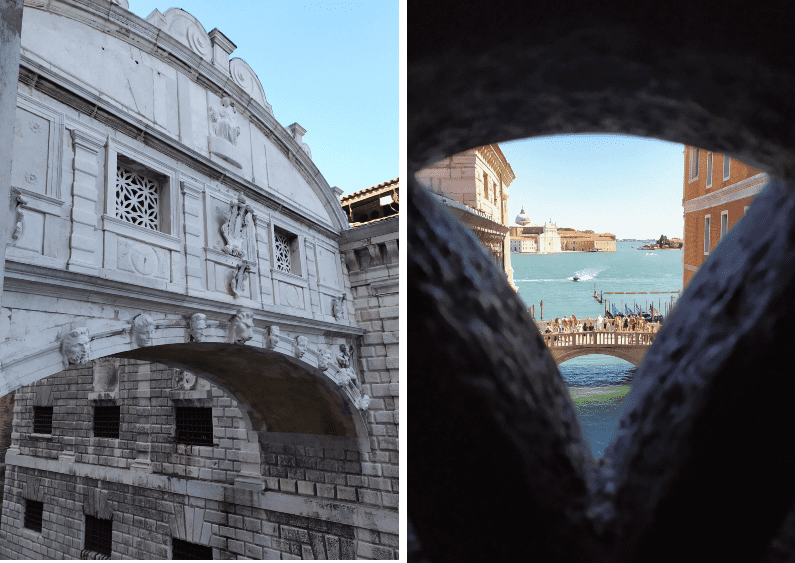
column 247, row 79
column 197, row 323
column 344, row 356
column 20, row 215
column 76, row 346
column 142, row 259
column 235, row 229
column 106, row 377
column 273, row 337
column 338, row 307
column 363, row 402
column 324, row 361
column 241, row 328
column 225, row 131
column 143, row 329
column 300, row 346
column 184, row 380
column 30, row 178
column 238, row 278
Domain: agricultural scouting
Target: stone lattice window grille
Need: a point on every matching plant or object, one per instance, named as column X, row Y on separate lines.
column 281, row 253
column 137, row 198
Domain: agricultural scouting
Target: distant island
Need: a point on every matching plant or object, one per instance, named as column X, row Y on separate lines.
column 664, row 243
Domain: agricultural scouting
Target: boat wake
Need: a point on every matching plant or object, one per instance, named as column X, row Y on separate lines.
column 586, row 274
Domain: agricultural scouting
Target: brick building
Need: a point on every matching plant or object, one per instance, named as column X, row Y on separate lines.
column 581, row 241
column 479, row 180
column 717, row 192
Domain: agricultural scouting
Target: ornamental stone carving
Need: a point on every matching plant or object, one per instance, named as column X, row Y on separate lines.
column 143, row 329
column 106, row 375
column 324, row 361
column 76, row 346
column 223, row 139
column 273, row 337
column 197, row 323
column 363, row 402
column 344, row 356
column 184, row 380
column 238, row 278
column 338, row 307
column 19, row 229
column 235, row 229
column 300, row 346
column 241, row 329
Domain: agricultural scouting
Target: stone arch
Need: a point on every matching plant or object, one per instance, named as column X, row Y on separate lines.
column 497, row 78
column 632, row 355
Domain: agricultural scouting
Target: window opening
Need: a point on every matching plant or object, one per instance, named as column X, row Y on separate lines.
column 693, row 163
column 42, row 420
column 727, row 167
column 194, row 426
column 283, row 254
column 137, row 198
column 709, row 169
column 724, row 223
column 33, row 513
column 706, row 235
column 99, row 535
column 106, row 421
column 186, row 550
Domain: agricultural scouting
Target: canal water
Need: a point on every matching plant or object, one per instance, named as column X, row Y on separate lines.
column 598, row 383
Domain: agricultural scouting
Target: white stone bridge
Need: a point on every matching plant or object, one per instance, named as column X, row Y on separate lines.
column 629, row 346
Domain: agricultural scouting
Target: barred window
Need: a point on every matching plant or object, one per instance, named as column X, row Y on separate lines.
column 194, row 426
column 42, row 420
column 282, row 252
column 186, row 550
column 99, row 535
column 33, row 513
column 137, row 198
column 106, row 421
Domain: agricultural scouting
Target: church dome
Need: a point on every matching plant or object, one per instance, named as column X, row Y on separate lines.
column 522, row 218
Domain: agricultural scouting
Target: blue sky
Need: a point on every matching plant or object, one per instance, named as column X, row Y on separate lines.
column 628, row 186
column 330, row 66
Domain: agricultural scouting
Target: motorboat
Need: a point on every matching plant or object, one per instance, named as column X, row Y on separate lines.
column 593, row 250
column 575, row 278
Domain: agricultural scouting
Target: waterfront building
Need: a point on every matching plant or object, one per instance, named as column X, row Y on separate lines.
column 203, row 348
column 372, row 204
column 530, row 237
column 717, row 193
column 584, row 241
column 478, row 181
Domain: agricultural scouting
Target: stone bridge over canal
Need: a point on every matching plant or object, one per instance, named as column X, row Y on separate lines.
column 629, row 346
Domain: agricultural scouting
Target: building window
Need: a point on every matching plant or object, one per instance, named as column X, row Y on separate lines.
column 138, row 194
column 286, row 257
column 727, row 167
column 709, row 169
column 724, row 223
column 745, row 210
column 99, row 535
column 706, row 234
column 42, row 420
column 33, row 512
column 194, row 426
column 186, row 550
column 694, row 163
column 486, row 186
column 106, row 421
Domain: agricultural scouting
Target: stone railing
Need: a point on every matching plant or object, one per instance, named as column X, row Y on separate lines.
column 598, row 338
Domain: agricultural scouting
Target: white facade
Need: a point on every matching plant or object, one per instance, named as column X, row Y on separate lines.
column 544, row 240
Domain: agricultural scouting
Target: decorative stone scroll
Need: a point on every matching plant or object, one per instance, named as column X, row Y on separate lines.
column 247, row 79
column 241, row 328
column 197, row 323
column 143, row 327
column 237, row 279
column 300, row 346
column 223, row 139
column 235, row 229
column 273, row 337
column 19, row 229
column 338, row 307
column 76, row 346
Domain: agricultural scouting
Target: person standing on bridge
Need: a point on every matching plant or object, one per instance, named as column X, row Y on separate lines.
column 599, row 324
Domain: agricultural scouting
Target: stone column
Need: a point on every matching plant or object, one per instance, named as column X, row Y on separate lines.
column 84, row 246
column 10, row 31
column 143, row 442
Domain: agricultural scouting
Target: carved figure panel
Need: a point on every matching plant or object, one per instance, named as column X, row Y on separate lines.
column 106, row 375
column 224, row 133
column 273, row 337
column 143, row 330
column 19, row 201
column 338, row 307
column 235, row 229
column 184, row 380
column 76, row 346
column 344, row 356
column 324, row 361
column 238, row 279
column 300, row 346
column 142, row 259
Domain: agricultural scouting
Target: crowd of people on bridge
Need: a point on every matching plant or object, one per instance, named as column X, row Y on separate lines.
column 632, row 323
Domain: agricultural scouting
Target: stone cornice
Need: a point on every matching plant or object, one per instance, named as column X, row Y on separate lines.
column 739, row 190
column 493, row 156
column 126, row 26
column 39, row 280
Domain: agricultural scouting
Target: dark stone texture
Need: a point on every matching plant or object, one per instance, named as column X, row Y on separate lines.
column 701, row 468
